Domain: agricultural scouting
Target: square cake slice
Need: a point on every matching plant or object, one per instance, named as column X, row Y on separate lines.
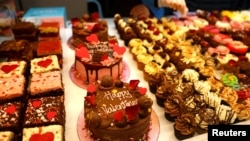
column 44, row 64
column 7, row 136
column 12, row 87
column 49, row 30
column 12, row 68
column 10, row 116
column 45, row 84
column 44, row 111
column 44, row 133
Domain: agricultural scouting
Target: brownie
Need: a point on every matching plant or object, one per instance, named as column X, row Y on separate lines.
column 31, row 37
column 11, row 116
column 46, row 84
column 15, row 50
column 44, row 64
column 12, row 68
column 23, row 27
column 44, row 111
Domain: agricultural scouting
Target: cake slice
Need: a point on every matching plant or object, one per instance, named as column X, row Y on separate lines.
column 46, row 84
column 12, row 87
column 24, row 30
column 49, row 30
column 10, row 116
column 50, row 47
column 12, row 68
column 44, row 111
column 44, row 64
column 44, row 133
column 7, row 136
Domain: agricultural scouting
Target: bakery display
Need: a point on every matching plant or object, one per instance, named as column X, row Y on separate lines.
column 117, row 110
column 196, row 66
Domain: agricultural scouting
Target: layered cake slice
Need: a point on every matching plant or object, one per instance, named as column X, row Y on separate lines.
column 12, row 68
column 44, row 133
column 10, row 116
column 24, row 30
column 49, row 31
column 47, row 83
column 44, row 64
column 12, row 87
column 44, row 111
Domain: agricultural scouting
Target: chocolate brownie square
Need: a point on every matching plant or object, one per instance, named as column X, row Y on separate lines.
column 23, row 27
column 44, row 111
column 10, row 116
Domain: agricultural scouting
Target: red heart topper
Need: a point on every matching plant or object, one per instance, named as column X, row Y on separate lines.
column 92, row 38
column 36, row 103
column 119, row 50
column 82, row 52
column 44, row 63
column 133, row 84
column 51, row 114
column 10, row 109
column 48, row 136
column 142, row 90
column 91, row 88
column 9, row 68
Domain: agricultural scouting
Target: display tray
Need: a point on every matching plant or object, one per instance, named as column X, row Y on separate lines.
column 77, row 81
column 84, row 136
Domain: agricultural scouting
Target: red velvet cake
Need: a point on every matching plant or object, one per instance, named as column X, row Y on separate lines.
column 95, row 59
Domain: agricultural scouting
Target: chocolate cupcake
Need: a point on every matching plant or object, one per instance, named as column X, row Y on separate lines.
column 173, row 106
column 185, row 126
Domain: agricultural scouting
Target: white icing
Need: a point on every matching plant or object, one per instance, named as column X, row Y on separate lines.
column 19, row 70
column 203, row 87
column 226, row 114
column 35, row 68
column 212, row 99
column 6, row 136
column 190, row 75
column 56, row 130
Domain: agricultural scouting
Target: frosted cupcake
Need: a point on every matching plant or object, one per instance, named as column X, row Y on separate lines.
column 151, row 69
column 143, row 59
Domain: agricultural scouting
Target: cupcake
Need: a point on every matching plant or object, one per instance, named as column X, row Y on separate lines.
column 190, row 75
column 143, row 59
column 242, row 110
column 173, row 107
column 155, row 81
column 151, row 69
column 229, row 95
column 226, row 114
column 212, row 99
column 164, row 90
column 185, row 126
column 194, row 103
column 205, row 117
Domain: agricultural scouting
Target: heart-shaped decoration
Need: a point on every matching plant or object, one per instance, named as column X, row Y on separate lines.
column 51, row 114
column 91, row 88
column 44, row 63
column 92, row 38
column 36, row 103
column 9, row 68
column 48, row 136
column 142, row 90
column 82, row 52
column 10, row 109
column 119, row 50
column 104, row 57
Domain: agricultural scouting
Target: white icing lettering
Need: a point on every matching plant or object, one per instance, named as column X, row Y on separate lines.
column 120, row 95
column 112, row 108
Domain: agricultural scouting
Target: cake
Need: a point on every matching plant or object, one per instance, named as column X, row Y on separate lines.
column 25, row 30
column 7, row 136
column 46, row 84
column 44, row 111
column 42, row 133
column 12, row 87
column 115, row 110
column 11, row 116
column 95, row 59
column 50, row 47
column 87, row 25
column 49, row 31
column 44, row 64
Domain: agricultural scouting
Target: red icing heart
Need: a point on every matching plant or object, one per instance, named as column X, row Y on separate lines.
column 104, row 57
column 9, row 68
column 142, row 90
column 82, row 52
column 119, row 50
column 51, row 114
column 44, row 63
column 118, row 115
column 133, row 84
column 36, row 104
column 48, row 136
column 92, row 38
column 10, row 109
column 91, row 88
column 90, row 99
